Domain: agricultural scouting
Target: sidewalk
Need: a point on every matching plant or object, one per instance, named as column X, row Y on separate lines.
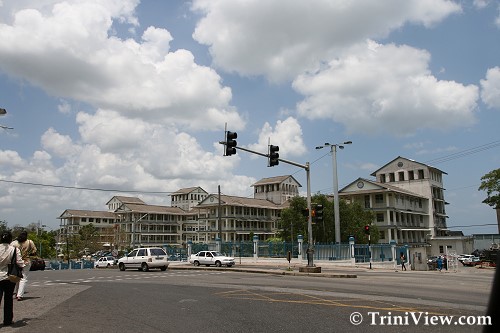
column 332, row 269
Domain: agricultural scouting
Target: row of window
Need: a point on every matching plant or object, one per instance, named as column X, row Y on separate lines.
column 191, row 196
column 411, row 175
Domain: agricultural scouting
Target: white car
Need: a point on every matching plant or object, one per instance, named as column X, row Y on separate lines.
column 463, row 257
column 208, row 258
column 104, row 262
column 144, row 259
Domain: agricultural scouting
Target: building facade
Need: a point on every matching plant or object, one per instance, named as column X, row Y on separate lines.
column 407, row 198
column 193, row 215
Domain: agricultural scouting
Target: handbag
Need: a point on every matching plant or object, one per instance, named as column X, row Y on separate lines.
column 14, row 272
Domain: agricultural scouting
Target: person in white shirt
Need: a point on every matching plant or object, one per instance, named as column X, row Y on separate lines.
column 6, row 286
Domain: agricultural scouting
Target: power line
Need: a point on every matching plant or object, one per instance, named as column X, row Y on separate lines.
column 82, row 188
column 472, row 226
column 464, row 153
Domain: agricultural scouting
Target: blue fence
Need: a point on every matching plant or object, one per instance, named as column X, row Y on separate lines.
column 330, row 251
column 59, row 265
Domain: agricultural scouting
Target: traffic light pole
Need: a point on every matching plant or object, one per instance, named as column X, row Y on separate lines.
column 310, row 246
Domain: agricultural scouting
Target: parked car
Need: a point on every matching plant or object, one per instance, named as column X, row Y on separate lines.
column 463, row 257
column 105, row 262
column 208, row 258
column 471, row 261
column 37, row 264
column 144, row 259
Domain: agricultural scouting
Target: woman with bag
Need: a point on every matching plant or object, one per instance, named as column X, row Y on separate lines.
column 28, row 249
column 7, row 253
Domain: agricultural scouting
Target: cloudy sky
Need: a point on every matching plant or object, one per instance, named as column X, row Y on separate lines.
column 129, row 97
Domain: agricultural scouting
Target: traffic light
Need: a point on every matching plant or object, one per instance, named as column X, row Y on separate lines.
column 313, row 216
column 230, row 146
column 273, row 155
column 367, row 229
column 319, row 212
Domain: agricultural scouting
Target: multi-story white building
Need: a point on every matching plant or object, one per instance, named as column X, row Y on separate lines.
column 192, row 216
column 407, row 199
column 276, row 189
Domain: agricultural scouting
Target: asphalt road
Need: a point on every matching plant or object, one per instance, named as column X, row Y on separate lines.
column 224, row 300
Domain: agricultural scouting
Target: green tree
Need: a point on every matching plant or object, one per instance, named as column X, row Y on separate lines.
column 292, row 220
column 3, row 226
column 353, row 218
column 490, row 183
column 45, row 241
column 87, row 240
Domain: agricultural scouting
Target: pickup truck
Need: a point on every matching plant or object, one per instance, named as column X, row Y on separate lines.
column 208, row 258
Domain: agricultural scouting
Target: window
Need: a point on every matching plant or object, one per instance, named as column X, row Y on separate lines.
column 141, row 252
column 411, row 175
column 392, row 178
column 367, row 201
column 382, row 178
column 441, row 249
column 379, row 198
column 380, row 217
column 420, row 174
column 401, row 176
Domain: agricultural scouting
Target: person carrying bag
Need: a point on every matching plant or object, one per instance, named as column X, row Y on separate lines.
column 8, row 253
column 14, row 271
column 28, row 250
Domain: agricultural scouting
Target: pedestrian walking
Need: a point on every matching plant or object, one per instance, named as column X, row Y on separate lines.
column 27, row 249
column 402, row 258
column 6, row 286
column 439, row 263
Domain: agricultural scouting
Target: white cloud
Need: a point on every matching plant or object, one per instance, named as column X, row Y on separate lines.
column 287, row 134
column 68, row 52
column 389, row 90
column 490, row 88
column 480, row 4
column 281, row 39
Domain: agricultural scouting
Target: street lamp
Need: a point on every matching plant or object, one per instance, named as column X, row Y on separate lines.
column 3, row 112
column 333, row 150
column 38, row 234
column 134, row 226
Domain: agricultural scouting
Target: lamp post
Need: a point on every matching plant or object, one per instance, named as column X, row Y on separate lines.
column 38, row 234
column 3, row 112
column 333, row 150
column 133, row 227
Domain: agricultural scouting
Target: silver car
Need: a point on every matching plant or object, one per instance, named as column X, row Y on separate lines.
column 144, row 259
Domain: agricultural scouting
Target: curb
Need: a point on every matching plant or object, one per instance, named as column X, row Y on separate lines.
column 262, row 271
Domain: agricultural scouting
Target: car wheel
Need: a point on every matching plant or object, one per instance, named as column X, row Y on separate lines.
column 107, row 265
column 218, row 264
column 164, row 268
column 144, row 267
column 121, row 266
column 196, row 263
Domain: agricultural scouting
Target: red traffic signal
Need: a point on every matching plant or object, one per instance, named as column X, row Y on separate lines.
column 367, row 229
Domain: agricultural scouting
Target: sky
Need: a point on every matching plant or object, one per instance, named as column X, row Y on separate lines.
column 129, row 97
